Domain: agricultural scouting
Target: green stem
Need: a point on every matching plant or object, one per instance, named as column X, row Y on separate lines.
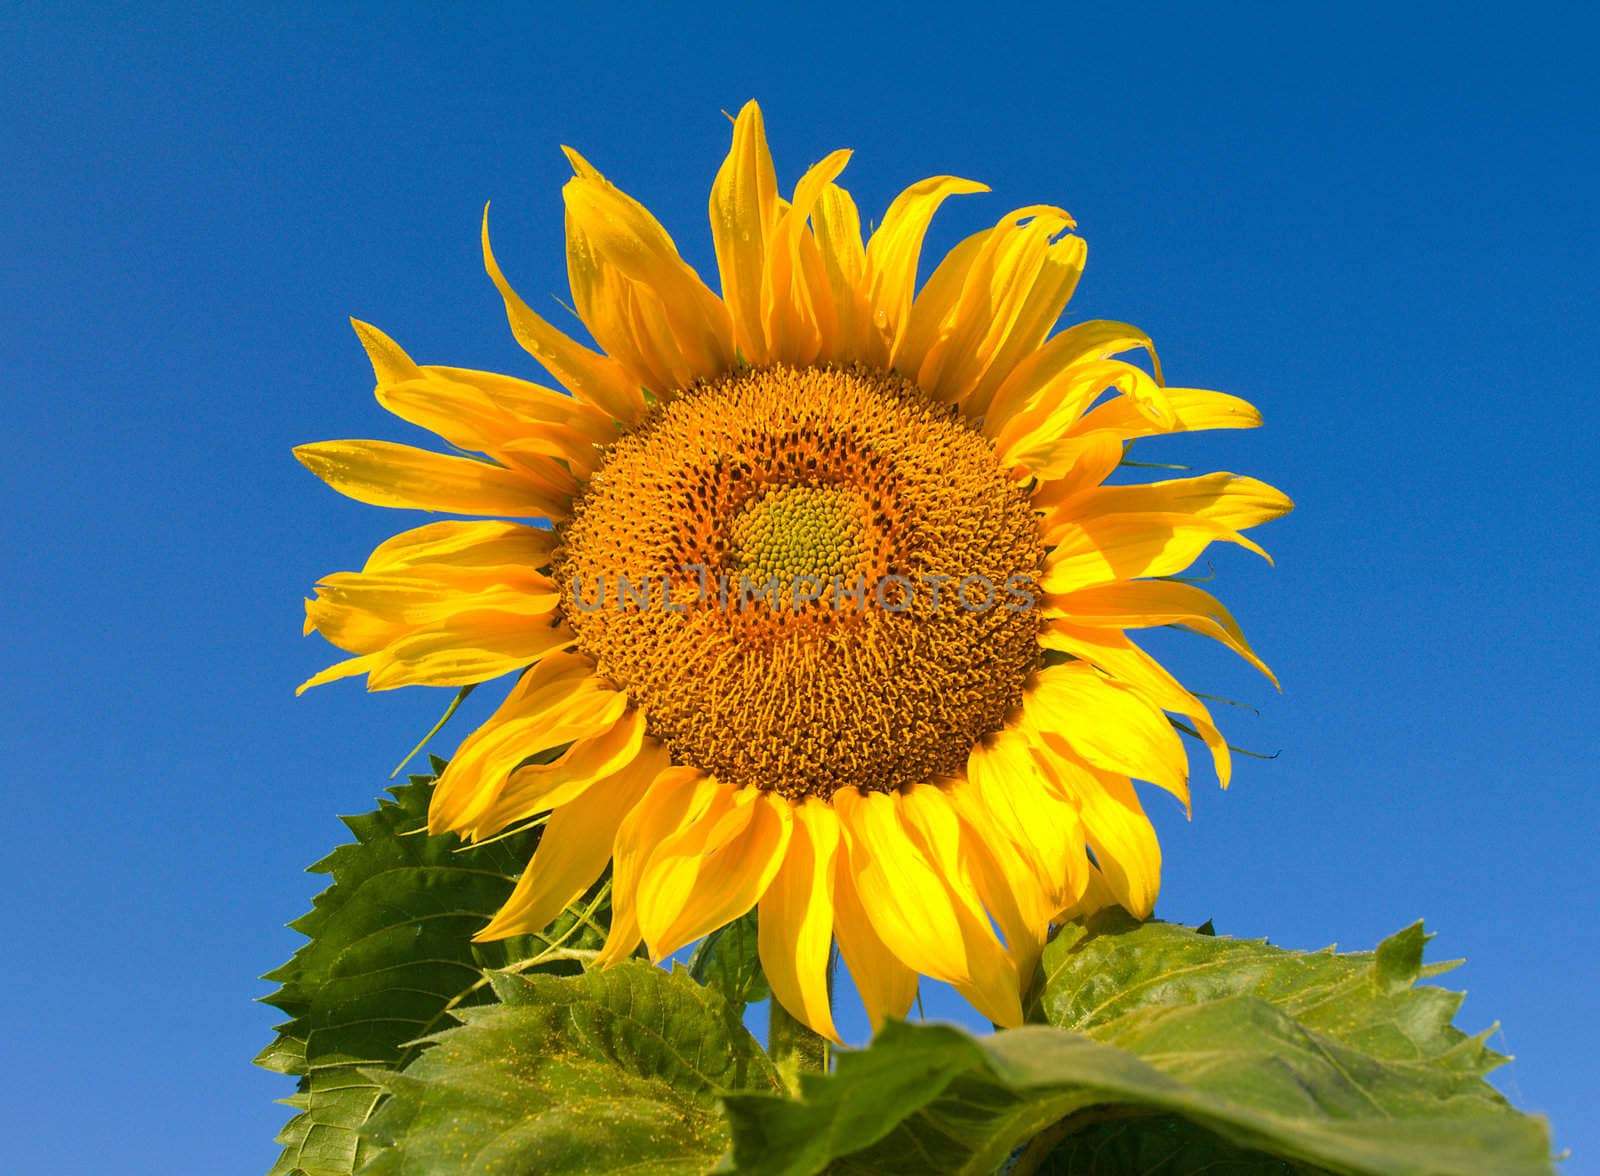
column 793, row 1047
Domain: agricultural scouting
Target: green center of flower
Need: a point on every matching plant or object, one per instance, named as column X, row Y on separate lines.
column 799, row 531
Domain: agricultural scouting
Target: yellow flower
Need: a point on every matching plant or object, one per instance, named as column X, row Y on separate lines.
column 832, row 618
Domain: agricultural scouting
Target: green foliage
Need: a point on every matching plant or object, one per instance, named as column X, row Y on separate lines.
column 1157, row 1146
column 728, row 960
column 389, row 957
column 613, row 1071
column 1154, row 1050
column 1180, row 1042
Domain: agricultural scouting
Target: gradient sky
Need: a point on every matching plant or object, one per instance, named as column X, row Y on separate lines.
column 1377, row 226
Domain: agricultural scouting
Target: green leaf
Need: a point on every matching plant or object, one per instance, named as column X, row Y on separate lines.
column 1161, row 1037
column 1106, row 1144
column 729, row 961
column 389, row 956
column 611, row 1071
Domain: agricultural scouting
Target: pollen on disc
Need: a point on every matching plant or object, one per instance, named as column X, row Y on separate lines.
column 770, row 565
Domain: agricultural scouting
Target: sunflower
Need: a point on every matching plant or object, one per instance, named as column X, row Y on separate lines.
column 824, row 605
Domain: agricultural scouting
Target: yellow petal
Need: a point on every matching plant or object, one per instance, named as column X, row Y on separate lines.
column 594, row 378
column 625, row 319
column 422, row 594
column 712, row 871
column 1112, row 652
column 886, row 985
column 1087, row 341
column 896, row 246
column 573, row 850
column 369, row 613
column 383, row 473
column 927, row 815
column 1147, row 603
column 923, row 917
column 1069, row 466
column 676, row 797
column 744, row 213
column 625, row 235
column 348, row 668
column 526, row 401
column 1124, row 844
column 1106, row 725
column 796, row 300
column 390, row 363
column 1037, row 306
column 933, row 309
column 1191, row 409
column 467, row 648
column 480, row 411
column 1104, row 548
column 1005, row 792
column 796, row 920
column 1233, row 501
column 1007, row 889
column 1056, row 409
column 537, row 788
column 464, row 543
column 558, row 701
column 1097, row 896
column 836, row 226
column 1008, row 303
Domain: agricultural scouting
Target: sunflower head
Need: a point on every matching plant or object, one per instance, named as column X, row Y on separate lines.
column 825, row 601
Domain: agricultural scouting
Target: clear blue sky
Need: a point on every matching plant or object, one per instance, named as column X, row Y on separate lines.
column 1377, row 226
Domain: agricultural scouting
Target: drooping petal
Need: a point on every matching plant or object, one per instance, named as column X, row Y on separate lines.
column 537, row 788
column 1005, row 790
column 744, row 214
column 710, row 872
column 1124, row 844
column 558, row 701
column 1106, row 725
column 1114, row 653
column 573, row 850
column 796, row 918
column 924, row 917
column 887, row 986
column 926, row 814
column 677, row 797
column 1144, row 604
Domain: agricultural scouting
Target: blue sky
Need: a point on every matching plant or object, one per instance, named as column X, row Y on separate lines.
column 1376, row 226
